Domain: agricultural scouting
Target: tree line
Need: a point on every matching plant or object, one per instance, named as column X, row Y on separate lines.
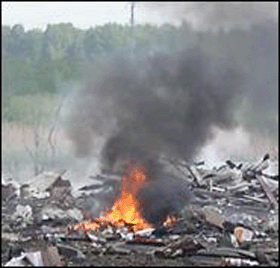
column 36, row 61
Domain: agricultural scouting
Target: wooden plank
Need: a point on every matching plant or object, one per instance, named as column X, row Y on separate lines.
column 267, row 191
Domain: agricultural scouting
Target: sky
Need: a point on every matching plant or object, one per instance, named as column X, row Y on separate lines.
column 80, row 14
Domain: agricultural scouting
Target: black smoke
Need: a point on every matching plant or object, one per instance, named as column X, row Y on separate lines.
column 162, row 105
column 258, row 23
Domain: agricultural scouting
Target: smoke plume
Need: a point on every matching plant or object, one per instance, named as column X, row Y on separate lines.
column 259, row 22
column 162, row 105
column 205, row 15
column 166, row 104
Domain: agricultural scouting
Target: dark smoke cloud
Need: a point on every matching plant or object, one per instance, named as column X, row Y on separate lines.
column 204, row 15
column 165, row 104
column 164, row 195
column 259, row 21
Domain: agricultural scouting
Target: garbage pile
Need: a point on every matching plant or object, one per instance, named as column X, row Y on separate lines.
column 234, row 222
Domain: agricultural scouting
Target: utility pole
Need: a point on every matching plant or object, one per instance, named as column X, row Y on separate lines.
column 132, row 28
column 132, row 14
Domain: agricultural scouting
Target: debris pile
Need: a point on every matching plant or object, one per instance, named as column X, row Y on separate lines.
column 233, row 222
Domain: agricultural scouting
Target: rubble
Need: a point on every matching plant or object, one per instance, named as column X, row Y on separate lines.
column 27, row 259
column 233, row 222
column 49, row 257
column 23, row 214
column 70, row 252
column 48, row 184
column 52, row 213
column 9, row 188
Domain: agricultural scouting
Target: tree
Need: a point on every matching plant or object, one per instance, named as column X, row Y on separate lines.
column 6, row 33
column 57, row 39
column 34, row 42
column 92, row 44
column 75, row 50
column 17, row 45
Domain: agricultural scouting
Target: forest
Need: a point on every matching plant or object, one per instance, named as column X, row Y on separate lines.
column 37, row 62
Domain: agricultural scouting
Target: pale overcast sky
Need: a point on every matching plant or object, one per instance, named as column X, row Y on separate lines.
column 85, row 14
column 81, row 14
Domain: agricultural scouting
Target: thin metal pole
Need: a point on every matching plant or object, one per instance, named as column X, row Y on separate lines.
column 132, row 28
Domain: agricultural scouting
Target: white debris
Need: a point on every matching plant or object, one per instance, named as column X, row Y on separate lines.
column 43, row 181
column 211, row 240
column 37, row 194
column 127, row 236
column 75, row 214
column 96, row 239
column 243, row 234
column 145, row 232
column 272, row 224
column 234, row 241
column 7, row 181
column 240, row 262
column 10, row 236
column 92, row 237
column 16, row 262
column 27, row 259
column 35, row 258
column 25, row 212
column 174, row 237
column 52, row 212
column 108, row 231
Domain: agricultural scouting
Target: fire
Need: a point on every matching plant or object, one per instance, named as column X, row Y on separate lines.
column 126, row 210
column 169, row 221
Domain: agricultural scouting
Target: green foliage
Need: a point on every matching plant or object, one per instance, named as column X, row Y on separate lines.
column 36, row 61
column 17, row 77
column 57, row 39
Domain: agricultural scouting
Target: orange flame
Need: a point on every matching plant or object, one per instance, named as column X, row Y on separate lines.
column 125, row 210
column 169, row 221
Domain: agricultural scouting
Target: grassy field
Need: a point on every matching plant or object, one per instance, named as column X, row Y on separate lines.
column 34, row 115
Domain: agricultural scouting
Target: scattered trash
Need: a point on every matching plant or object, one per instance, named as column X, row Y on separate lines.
column 10, row 236
column 51, row 257
column 233, row 221
column 243, row 234
column 145, row 232
column 272, row 224
column 238, row 262
column 53, row 213
column 70, row 252
column 23, row 213
column 9, row 188
column 127, row 236
column 27, row 259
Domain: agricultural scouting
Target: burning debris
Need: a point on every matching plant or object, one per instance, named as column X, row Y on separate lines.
column 163, row 107
column 125, row 211
column 232, row 220
column 158, row 206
